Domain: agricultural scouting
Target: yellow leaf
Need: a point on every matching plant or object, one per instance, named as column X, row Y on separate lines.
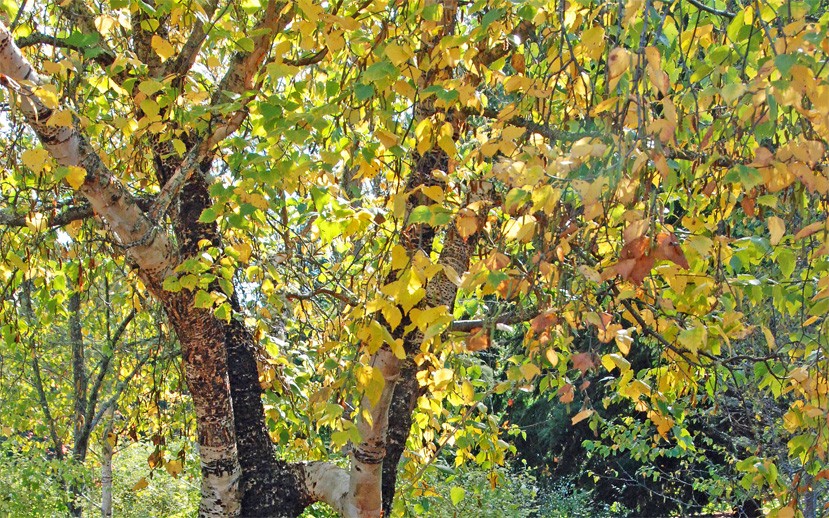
column 398, row 54
column 179, row 146
column 466, row 221
column 467, row 392
column 37, row 221
column 162, row 47
column 592, row 42
column 653, row 57
column 405, row 89
column 370, row 380
column 447, row 144
column 618, row 61
column 173, row 467
column 442, row 377
column 387, row 138
column 75, row 177
column 149, row 107
column 808, row 230
column 35, row 159
column 244, row 250
column 61, row 118
column 141, row 484
column 392, row 315
column 452, row 275
column 399, row 258
column 581, row 416
column 397, row 348
column 811, row 320
column 48, row 96
column 434, row 192
column 551, row 356
column 520, row 229
column 777, row 229
column 51, row 68
column 529, row 371
column 423, row 133
column 637, row 388
column 786, row 512
column 423, row 318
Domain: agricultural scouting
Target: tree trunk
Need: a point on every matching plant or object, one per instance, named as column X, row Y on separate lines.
column 107, row 447
column 270, row 487
column 205, row 361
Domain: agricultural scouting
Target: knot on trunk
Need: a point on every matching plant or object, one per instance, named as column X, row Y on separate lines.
column 370, row 454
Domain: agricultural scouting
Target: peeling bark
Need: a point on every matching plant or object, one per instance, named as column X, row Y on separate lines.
column 205, row 359
column 152, row 251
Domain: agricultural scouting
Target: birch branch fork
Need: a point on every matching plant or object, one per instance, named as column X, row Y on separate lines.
column 153, row 253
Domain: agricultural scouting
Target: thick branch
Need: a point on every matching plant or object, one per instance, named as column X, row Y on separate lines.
column 237, row 80
column 105, row 58
column 367, row 457
column 73, row 213
column 152, row 251
column 190, row 50
column 328, row 483
column 466, row 326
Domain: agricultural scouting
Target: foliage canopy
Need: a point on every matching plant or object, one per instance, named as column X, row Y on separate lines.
column 405, row 212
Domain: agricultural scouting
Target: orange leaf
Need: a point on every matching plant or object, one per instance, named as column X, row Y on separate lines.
column 667, row 248
column 636, row 248
column 478, row 341
column 543, row 321
column 567, row 393
column 583, row 362
column 641, row 268
column 581, row 416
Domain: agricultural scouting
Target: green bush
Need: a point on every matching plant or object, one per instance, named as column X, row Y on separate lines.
column 562, row 499
column 469, row 492
column 164, row 496
column 32, row 484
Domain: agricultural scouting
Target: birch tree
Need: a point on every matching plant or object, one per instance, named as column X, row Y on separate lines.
column 340, row 206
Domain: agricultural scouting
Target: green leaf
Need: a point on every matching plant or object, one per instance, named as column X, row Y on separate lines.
column 363, row 92
column 420, row 214
column 203, row 299
column 172, row 284
column 245, row 44
column 784, row 63
column 380, row 70
column 457, row 495
column 209, row 215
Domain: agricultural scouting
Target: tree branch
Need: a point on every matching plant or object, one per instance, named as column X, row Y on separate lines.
column 717, row 12
column 466, row 326
column 73, row 213
column 237, row 80
column 326, row 482
column 311, row 59
column 152, row 251
column 190, row 50
column 119, row 389
column 345, row 299
column 105, row 58
column 104, row 366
